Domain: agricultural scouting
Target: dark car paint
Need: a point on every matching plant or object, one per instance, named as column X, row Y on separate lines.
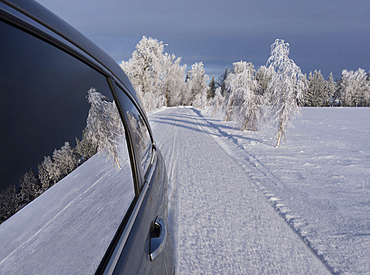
column 134, row 258
column 138, row 243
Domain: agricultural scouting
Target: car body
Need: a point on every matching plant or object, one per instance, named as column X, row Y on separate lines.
column 79, row 164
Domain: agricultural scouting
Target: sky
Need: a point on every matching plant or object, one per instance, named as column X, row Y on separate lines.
column 326, row 35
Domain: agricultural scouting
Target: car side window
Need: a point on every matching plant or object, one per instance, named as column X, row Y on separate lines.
column 141, row 137
column 62, row 142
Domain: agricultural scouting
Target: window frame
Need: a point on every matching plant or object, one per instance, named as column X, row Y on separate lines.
column 142, row 177
column 20, row 21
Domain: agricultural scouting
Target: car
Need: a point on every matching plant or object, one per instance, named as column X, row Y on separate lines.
column 84, row 186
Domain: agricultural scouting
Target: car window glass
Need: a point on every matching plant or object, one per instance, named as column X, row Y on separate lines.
column 64, row 161
column 141, row 136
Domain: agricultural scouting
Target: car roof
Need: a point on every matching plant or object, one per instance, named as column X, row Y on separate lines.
column 45, row 17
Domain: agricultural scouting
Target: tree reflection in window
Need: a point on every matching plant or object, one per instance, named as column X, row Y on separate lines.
column 104, row 132
column 141, row 138
column 103, row 124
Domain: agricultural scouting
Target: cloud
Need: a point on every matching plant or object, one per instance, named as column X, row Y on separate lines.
column 330, row 35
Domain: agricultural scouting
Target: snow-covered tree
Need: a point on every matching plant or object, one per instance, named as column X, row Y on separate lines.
column 235, row 84
column 263, row 76
column 330, row 88
column 44, row 176
column 85, row 148
column 197, row 81
column 172, row 79
column 64, row 160
column 354, row 88
column 157, row 77
column 144, row 67
column 103, row 124
column 29, row 186
column 286, row 87
column 221, row 81
column 51, row 169
column 211, row 88
column 315, row 94
column 217, row 101
column 9, row 202
column 200, row 101
column 244, row 100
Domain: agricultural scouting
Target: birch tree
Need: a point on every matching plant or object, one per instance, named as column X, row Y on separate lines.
column 157, row 77
column 144, row 67
column 285, row 88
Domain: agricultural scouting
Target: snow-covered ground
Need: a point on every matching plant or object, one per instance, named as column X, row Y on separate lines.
column 239, row 205
column 319, row 180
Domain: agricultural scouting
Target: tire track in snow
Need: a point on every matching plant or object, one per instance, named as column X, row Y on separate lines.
column 224, row 225
column 259, row 173
column 168, row 146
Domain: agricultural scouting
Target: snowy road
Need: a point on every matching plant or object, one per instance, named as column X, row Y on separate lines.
column 221, row 222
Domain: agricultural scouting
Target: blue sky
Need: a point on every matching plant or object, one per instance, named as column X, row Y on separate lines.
column 327, row 35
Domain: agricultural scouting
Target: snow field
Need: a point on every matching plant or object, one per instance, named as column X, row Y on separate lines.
column 221, row 220
column 319, row 179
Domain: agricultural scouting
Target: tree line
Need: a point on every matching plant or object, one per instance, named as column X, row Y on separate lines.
column 243, row 94
column 160, row 80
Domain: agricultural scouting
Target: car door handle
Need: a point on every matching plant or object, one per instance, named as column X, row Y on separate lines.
column 158, row 237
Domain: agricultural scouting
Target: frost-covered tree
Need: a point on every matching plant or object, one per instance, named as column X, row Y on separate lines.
column 285, row 88
column 263, row 76
column 197, row 82
column 244, row 98
column 217, row 101
column 211, row 88
column 85, row 148
column 172, row 79
column 315, row 94
column 103, row 124
column 51, row 169
column 235, row 84
column 9, row 202
column 330, row 88
column 29, row 186
column 354, row 88
column 200, row 101
column 144, row 67
column 221, row 81
column 44, row 176
column 64, row 160
column 157, row 77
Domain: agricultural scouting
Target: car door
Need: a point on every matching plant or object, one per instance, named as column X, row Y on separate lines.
column 147, row 245
column 83, row 187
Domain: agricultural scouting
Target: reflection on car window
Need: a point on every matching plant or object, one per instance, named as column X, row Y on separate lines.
column 141, row 138
column 104, row 125
column 62, row 142
column 140, row 131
